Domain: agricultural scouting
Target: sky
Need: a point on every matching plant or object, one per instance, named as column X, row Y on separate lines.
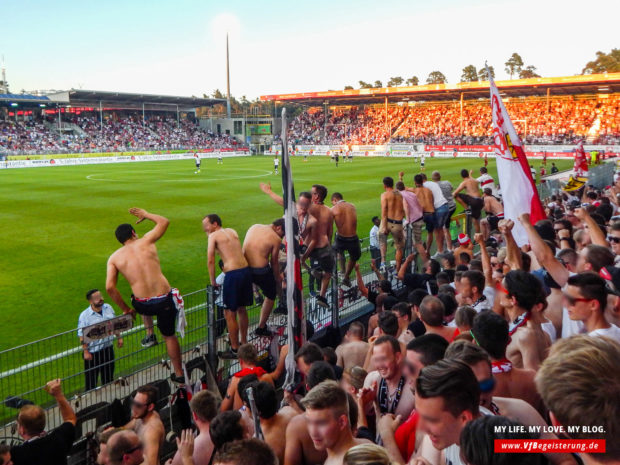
column 178, row 47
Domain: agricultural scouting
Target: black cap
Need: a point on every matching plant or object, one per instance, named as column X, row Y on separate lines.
column 611, row 275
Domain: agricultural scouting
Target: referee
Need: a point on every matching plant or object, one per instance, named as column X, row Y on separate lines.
column 98, row 354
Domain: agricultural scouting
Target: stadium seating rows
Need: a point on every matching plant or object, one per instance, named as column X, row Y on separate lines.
column 558, row 121
column 122, row 132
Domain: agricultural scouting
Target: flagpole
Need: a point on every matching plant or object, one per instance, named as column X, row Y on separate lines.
column 296, row 324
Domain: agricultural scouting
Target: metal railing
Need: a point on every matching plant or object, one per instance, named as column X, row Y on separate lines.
column 27, row 368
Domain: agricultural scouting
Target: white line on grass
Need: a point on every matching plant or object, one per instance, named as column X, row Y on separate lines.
column 91, row 177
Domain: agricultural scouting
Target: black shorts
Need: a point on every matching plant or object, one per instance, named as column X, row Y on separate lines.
column 163, row 307
column 350, row 244
column 324, row 258
column 238, row 289
column 475, row 203
column 493, row 221
column 449, row 218
column 265, row 280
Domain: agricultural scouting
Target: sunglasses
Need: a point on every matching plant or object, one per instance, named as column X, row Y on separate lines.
column 573, row 300
column 614, row 239
column 487, row 385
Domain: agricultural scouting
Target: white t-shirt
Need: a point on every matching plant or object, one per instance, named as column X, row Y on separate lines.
column 613, row 332
column 374, row 233
column 486, row 304
column 276, row 161
column 438, row 197
column 487, row 181
column 571, row 327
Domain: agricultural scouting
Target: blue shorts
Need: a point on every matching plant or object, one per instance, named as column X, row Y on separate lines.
column 441, row 214
column 238, row 289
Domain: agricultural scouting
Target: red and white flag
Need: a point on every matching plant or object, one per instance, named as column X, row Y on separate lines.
column 580, row 168
column 518, row 189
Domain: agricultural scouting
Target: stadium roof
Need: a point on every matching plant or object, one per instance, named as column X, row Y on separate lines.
column 93, row 97
column 24, row 100
column 570, row 85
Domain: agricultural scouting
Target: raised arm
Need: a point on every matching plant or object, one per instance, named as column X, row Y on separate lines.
column 66, row 412
column 543, row 253
column 110, row 287
column 161, row 223
column 513, row 253
column 266, row 188
column 486, row 260
column 405, row 266
column 596, row 234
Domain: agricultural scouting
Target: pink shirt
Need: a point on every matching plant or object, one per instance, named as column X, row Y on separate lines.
column 414, row 209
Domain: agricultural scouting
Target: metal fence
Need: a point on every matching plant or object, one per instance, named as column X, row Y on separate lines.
column 26, row 369
column 599, row 176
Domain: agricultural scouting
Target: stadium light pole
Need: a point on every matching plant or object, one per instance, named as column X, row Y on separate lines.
column 227, row 80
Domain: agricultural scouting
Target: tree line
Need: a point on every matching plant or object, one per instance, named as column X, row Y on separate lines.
column 514, row 66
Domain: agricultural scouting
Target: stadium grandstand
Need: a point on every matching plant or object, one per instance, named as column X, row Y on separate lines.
column 82, row 121
column 546, row 111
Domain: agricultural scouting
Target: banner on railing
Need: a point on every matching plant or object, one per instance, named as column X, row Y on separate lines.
column 443, row 151
column 119, row 159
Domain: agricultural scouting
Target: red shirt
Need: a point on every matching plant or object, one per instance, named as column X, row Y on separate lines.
column 405, row 435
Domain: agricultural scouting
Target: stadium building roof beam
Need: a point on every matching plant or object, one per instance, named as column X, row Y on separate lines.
column 92, row 98
column 570, row 85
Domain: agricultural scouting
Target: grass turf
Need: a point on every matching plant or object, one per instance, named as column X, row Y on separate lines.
column 59, row 222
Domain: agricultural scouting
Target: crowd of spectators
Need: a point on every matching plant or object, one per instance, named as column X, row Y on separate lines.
column 558, row 121
column 472, row 347
column 118, row 133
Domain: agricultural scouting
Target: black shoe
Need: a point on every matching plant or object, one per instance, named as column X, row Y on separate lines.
column 149, row 341
column 322, row 301
column 346, row 282
column 263, row 331
column 177, row 379
column 229, row 354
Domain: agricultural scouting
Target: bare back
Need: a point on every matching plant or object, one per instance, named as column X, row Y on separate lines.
column 471, row 187
column 425, row 197
column 274, row 430
column 322, row 233
column 259, row 244
column 228, row 247
column 138, row 262
column 352, row 354
column 518, row 384
column 345, row 217
column 492, row 205
column 394, row 203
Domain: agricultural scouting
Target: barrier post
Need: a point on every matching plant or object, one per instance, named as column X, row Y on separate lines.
column 211, row 333
column 334, row 296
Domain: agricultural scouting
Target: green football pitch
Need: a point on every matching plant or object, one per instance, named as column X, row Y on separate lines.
column 58, row 223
